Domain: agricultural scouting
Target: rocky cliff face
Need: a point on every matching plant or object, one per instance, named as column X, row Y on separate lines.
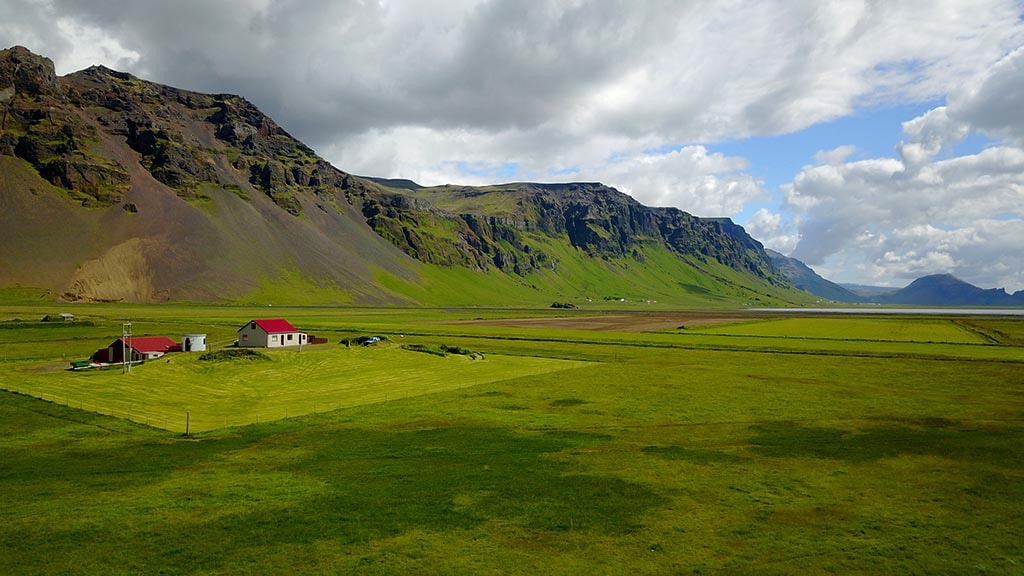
column 452, row 224
column 54, row 123
column 41, row 125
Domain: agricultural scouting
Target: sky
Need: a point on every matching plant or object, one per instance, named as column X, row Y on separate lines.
column 876, row 141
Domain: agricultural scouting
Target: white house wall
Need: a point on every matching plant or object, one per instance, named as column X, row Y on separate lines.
column 282, row 341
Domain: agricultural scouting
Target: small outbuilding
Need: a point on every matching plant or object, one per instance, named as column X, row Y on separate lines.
column 193, row 343
column 67, row 316
column 270, row 333
column 138, row 349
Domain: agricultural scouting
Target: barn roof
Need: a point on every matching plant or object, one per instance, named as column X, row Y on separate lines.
column 144, row 344
column 274, row 325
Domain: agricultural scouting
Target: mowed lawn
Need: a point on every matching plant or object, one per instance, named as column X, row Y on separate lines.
column 166, row 392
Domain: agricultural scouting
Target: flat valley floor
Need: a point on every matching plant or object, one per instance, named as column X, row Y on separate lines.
column 632, row 441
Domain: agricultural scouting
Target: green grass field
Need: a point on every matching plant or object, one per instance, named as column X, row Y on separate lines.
column 292, row 383
column 805, row 445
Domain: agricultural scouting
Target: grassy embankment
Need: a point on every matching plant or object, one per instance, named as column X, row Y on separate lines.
column 663, row 280
column 866, row 449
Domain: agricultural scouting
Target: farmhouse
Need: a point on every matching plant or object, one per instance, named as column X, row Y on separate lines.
column 139, row 348
column 270, row 333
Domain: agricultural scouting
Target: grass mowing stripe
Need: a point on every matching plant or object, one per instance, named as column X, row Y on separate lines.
column 767, row 345
column 879, row 329
column 317, row 379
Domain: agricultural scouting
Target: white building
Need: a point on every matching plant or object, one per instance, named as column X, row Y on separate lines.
column 193, row 343
column 270, row 333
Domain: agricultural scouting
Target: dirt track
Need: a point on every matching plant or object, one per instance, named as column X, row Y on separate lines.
column 617, row 322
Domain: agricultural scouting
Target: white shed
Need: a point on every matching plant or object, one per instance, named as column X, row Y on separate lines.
column 193, row 343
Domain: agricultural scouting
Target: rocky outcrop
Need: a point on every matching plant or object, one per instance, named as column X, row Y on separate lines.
column 41, row 126
column 437, row 237
column 181, row 134
column 277, row 164
column 26, row 73
column 186, row 140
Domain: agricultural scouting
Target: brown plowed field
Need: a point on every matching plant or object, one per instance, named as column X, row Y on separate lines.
column 620, row 321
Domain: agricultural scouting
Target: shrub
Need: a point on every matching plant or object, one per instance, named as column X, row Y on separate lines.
column 365, row 340
column 455, row 350
column 443, row 350
column 233, row 354
column 423, row 348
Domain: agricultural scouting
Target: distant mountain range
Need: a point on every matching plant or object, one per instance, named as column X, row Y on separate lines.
column 947, row 290
column 867, row 291
column 113, row 188
column 934, row 290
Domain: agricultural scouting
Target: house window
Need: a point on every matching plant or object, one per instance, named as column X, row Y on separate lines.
column 290, row 337
column 273, row 338
column 245, row 337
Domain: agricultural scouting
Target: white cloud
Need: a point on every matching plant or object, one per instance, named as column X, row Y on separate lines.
column 705, row 184
column 92, row 46
column 835, row 156
column 962, row 215
column 928, row 135
column 539, row 85
column 773, row 231
column 927, row 212
column 992, row 102
column 475, row 91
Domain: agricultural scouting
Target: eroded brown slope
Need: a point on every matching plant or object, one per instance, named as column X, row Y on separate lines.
column 114, row 188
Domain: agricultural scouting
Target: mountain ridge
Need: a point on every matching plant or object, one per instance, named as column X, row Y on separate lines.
column 806, row 279
column 168, row 194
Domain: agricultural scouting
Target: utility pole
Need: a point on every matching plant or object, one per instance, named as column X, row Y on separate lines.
column 126, row 347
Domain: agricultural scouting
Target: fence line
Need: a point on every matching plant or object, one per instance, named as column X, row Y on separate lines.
column 159, row 419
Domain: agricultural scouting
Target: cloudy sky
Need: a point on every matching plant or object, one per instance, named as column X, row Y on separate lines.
column 877, row 141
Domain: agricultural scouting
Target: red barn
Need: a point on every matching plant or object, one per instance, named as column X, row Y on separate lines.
column 140, row 348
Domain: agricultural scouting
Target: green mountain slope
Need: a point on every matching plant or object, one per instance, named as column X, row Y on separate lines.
column 114, row 188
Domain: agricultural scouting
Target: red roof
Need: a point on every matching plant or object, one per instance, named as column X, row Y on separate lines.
column 144, row 344
column 274, row 325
